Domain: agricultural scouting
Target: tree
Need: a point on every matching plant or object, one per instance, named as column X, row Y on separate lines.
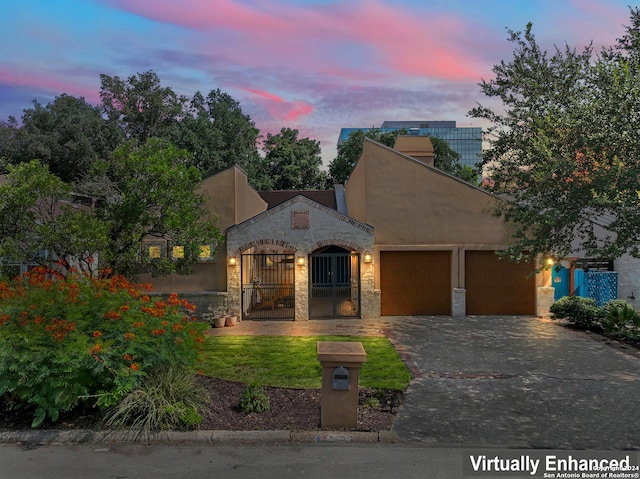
column 140, row 107
column 147, row 192
column 350, row 150
column 290, row 163
column 66, row 135
column 218, row 134
column 41, row 224
column 565, row 148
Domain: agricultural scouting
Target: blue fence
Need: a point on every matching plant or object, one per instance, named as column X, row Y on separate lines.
column 601, row 286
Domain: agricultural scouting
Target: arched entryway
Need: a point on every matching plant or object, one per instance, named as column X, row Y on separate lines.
column 268, row 283
column 334, row 283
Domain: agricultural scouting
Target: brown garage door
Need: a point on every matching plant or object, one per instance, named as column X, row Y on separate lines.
column 498, row 286
column 415, row 283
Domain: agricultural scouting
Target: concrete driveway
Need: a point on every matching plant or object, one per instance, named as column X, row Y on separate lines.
column 519, row 382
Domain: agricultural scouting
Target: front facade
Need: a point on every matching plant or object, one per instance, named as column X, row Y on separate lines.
column 401, row 238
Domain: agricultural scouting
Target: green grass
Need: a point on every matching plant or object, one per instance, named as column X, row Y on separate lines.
column 292, row 361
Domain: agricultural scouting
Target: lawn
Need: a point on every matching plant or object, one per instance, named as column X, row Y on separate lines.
column 292, row 362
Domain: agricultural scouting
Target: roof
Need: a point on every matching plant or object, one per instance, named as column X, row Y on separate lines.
column 324, row 197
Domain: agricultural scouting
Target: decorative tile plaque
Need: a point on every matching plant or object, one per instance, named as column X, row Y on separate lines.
column 300, row 220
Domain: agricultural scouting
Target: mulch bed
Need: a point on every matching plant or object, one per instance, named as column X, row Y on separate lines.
column 290, row 409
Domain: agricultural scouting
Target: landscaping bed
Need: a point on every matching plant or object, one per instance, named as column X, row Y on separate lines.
column 290, row 409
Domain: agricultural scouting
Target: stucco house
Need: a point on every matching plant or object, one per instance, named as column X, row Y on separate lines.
column 401, row 238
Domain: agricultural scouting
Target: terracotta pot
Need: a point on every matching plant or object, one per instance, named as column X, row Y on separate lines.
column 231, row 320
column 219, row 322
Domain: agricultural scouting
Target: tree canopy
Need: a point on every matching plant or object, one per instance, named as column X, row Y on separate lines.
column 564, row 147
column 40, row 223
column 290, row 163
column 148, row 193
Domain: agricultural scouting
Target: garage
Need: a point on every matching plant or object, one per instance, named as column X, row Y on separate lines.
column 498, row 286
column 415, row 283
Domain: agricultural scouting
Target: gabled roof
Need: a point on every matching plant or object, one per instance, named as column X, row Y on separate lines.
column 275, row 197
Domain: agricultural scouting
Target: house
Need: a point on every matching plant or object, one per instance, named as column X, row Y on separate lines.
column 401, row 238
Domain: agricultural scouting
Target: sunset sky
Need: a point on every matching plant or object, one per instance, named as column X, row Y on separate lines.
column 314, row 65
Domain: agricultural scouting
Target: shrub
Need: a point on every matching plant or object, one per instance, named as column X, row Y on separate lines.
column 582, row 312
column 254, row 399
column 621, row 319
column 69, row 339
column 169, row 398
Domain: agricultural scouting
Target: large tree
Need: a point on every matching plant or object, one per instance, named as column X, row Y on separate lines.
column 146, row 192
column 565, row 148
column 218, row 134
column 66, row 135
column 290, row 163
column 40, row 223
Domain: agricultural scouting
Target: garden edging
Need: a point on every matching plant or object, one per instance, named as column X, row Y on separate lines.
column 53, row 437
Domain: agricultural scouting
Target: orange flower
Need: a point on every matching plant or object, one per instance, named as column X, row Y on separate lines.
column 112, row 315
column 138, row 324
column 96, row 348
column 124, row 308
column 97, row 334
column 158, row 332
column 178, row 327
column 126, row 357
column 129, row 336
column 135, row 366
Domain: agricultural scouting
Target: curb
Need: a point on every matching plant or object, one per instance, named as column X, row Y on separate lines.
column 86, row 436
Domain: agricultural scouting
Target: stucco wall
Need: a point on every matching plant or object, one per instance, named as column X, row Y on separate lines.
column 409, row 203
column 628, row 269
column 232, row 200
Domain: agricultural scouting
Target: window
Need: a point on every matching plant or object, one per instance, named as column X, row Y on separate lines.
column 177, row 252
column 154, row 250
column 207, row 252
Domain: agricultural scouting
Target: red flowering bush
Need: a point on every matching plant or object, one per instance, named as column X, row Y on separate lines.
column 69, row 339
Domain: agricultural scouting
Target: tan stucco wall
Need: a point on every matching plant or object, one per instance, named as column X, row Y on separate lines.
column 232, row 200
column 409, row 203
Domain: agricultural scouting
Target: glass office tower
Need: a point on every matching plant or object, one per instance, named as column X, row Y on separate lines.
column 466, row 141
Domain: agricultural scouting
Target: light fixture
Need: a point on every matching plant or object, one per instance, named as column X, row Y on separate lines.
column 232, row 261
column 550, row 261
column 368, row 258
column 300, row 261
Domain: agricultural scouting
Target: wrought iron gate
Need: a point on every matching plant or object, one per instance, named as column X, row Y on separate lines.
column 268, row 286
column 334, row 278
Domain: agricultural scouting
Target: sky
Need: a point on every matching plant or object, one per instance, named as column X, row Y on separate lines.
column 313, row 65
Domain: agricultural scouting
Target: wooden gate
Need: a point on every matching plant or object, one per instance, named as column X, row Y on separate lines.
column 334, row 279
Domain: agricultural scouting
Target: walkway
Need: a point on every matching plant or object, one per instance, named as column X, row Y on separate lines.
column 500, row 381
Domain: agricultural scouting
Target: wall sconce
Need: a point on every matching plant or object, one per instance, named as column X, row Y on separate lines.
column 233, row 261
column 368, row 258
column 550, row 261
column 300, row 261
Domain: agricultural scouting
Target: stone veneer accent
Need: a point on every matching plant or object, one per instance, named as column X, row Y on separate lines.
column 544, row 300
column 326, row 227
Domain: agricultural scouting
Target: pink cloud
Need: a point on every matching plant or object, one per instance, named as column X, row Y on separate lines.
column 278, row 107
column 386, row 36
column 44, row 81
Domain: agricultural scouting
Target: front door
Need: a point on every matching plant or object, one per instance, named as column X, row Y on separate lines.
column 334, row 279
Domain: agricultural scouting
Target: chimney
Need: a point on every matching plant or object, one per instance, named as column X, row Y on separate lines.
column 418, row 147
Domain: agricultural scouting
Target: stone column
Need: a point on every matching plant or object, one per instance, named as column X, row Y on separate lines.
column 544, row 300
column 301, row 265
column 459, row 302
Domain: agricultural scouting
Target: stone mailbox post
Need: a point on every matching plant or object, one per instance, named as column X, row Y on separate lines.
column 341, row 363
